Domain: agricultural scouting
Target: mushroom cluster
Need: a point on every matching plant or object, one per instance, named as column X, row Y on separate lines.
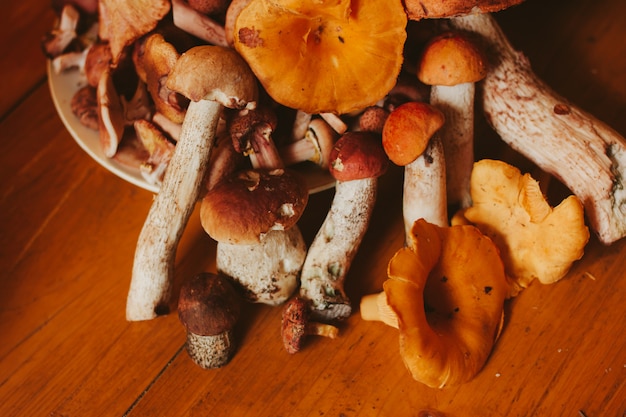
column 196, row 91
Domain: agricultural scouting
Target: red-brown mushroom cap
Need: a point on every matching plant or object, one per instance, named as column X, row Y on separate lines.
column 208, row 304
column 408, row 130
column 357, row 155
column 250, row 203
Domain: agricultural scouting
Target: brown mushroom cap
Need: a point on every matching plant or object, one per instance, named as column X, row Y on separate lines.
column 450, row 59
column 208, row 304
column 250, row 203
column 433, row 9
column 210, row 72
column 408, row 130
column 122, row 22
column 357, row 155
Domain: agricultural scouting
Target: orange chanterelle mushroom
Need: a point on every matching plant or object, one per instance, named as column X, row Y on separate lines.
column 445, row 294
column 323, row 56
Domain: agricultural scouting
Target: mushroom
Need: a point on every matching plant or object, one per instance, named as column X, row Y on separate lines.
column 295, row 325
column 159, row 148
column 534, row 239
column 445, row 294
column 84, row 106
column 122, row 22
column 581, row 151
column 158, row 60
column 315, row 146
column 436, row 9
column 451, row 64
column 252, row 214
column 410, row 140
column 212, row 77
column 198, row 24
column 251, row 132
column 328, row 51
column 373, row 119
column 209, row 308
column 356, row 162
column 56, row 41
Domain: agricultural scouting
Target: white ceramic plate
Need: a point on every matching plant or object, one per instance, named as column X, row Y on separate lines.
column 62, row 88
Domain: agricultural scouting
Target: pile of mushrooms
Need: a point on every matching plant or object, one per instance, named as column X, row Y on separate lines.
column 189, row 92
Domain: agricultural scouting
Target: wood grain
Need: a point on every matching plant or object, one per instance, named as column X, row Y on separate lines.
column 68, row 230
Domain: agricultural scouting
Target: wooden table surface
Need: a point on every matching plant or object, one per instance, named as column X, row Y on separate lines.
column 68, row 230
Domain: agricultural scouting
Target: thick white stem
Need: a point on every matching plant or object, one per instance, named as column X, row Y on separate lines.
column 266, row 272
column 424, row 194
column 457, row 135
column 153, row 267
column 584, row 153
column 334, row 247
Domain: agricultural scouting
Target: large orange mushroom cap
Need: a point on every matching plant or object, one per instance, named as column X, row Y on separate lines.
column 323, row 56
column 447, row 289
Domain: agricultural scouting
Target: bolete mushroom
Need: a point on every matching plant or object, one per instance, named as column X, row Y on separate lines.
column 209, row 308
column 253, row 215
column 445, row 294
column 585, row 154
column 451, row 63
column 410, row 140
column 356, row 161
column 212, row 77
column 296, row 325
column 315, row 146
column 321, row 57
column 535, row 241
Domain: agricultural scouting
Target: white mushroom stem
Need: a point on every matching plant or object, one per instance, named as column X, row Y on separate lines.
column 266, row 272
column 457, row 135
column 334, row 247
column 198, row 24
column 424, row 193
column 584, row 153
column 153, row 266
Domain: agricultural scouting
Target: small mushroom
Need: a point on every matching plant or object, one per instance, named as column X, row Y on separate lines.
column 584, row 153
column 296, row 325
column 315, row 146
column 209, row 308
column 445, row 294
column 251, row 132
column 535, row 241
column 159, row 148
column 159, row 58
column 451, row 64
column 410, row 140
column 122, row 22
column 335, row 57
column 253, row 215
column 212, row 77
column 356, row 162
